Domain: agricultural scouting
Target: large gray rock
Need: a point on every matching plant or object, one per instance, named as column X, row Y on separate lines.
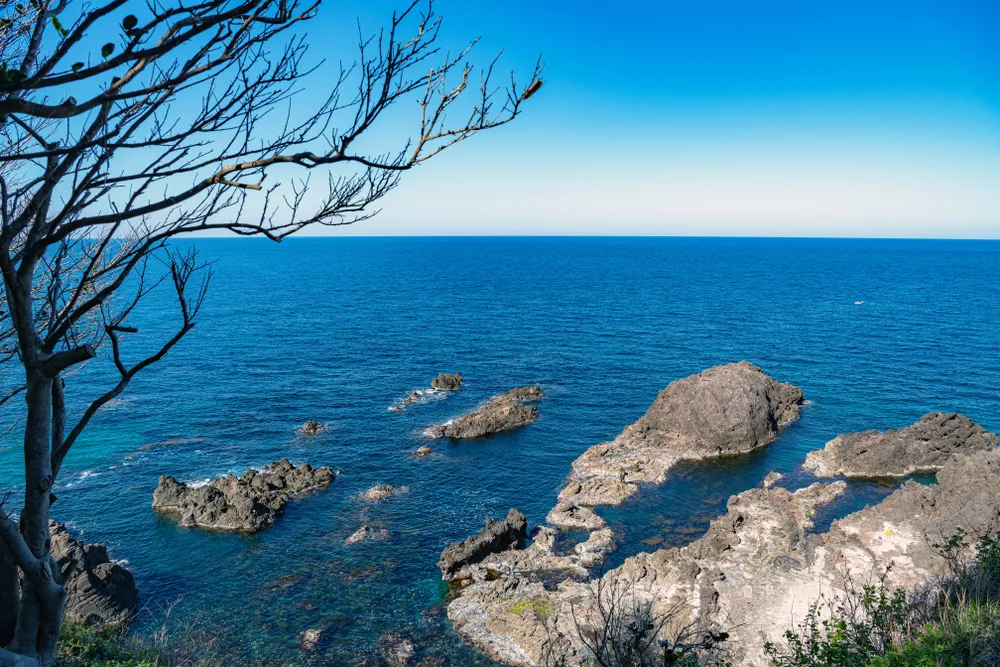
column 921, row 447
column 497, row 536
column 724, row 411
column 98, row 591
column 447, row 381
column 500, row 413
column 249, row 503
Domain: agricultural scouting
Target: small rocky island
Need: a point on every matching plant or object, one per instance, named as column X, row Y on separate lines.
column 444, row 382
column 447, row 382
column 500, row 413
column 98, row 590
column 247, row 504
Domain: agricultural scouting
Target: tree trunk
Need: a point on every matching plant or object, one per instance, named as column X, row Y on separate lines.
column 39, row 617
column 9, row 593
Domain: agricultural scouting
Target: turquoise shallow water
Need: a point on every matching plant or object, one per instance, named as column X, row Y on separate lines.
column 337, row 329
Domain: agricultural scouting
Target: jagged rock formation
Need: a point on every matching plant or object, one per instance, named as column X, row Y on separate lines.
column 500, row 413
column 752, row 574
column 921, row 447
column 447, row 381
column 724, row 411
column 495, row 537
column 249, row 503
column 98, row 591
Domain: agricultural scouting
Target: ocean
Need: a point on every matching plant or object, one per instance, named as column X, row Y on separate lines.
column 338, row 329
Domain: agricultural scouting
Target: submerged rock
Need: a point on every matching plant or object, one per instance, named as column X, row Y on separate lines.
column 447, row 381
column 366, row 533
column 397, row 651
column 423, row 450
column 312, row 427
column 921, row 447
column 500, row 413
column 377, row 492
column 312, row 638
column 98, row 591
column 497, row 536
column 249, row 503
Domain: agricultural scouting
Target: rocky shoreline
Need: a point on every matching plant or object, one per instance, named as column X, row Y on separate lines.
column 760, row 565
column 247, row 504
column 99, row 591
column 520, row 597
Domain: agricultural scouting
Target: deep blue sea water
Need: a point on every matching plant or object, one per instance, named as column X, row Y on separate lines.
column 338, row 329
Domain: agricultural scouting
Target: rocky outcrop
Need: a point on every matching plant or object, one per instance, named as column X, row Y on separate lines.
column 497, row 536
column 921, row 447
column 98, row 591
column 771, row 479
column 528, row 393
column 500, row 413
column 311, row 427
column 377, row 492
column 447, row 381
column 382, row 491
column 753, row 574
column 724, row 411
column 444, row 382
column 249, row 503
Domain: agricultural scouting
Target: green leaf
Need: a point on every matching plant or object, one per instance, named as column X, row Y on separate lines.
column 59, row 26
column 77, row 67
column 129, row 22
column 107, row 49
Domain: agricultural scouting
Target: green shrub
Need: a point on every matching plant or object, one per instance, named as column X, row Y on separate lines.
column 83, row 646
column 953, row 623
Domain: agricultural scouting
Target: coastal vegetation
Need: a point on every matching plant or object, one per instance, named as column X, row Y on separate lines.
column 953, row 622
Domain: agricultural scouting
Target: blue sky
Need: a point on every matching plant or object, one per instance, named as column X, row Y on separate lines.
column 875, row 118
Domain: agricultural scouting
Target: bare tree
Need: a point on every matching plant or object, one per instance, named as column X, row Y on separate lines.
column 181, row 122
column 626, row 631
